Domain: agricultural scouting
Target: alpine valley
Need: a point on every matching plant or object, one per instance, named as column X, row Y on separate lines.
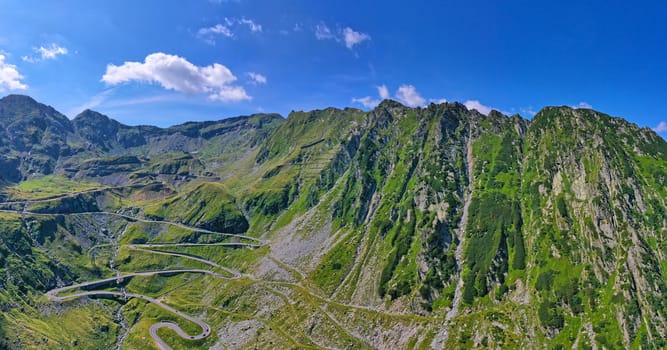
column 397, row 228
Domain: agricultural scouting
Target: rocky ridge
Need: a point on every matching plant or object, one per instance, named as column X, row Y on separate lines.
column 410, row 227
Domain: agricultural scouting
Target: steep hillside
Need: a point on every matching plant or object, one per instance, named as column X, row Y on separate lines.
column 415, row 228
column 208, row 206
column 594, row 199
column 36, row 254
column 32, row 137
column 37, row 140
column 105, row 136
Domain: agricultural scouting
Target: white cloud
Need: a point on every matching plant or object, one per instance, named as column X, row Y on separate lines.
column 529, row 111
column 367, row 101
column 220, row 2
column 583, row 105
column 409, row 96
column 346, row 36
column 208, row 34
column 352, row 38
column 92, row 103
column 257, row 78
column 370, row 102
column 406, row 94
column 10, row 78
column 217, row 29
column 474, row 104
column 254, row 27
column 230, row 94
column 50, row 52
column 176, row 73
column 661, row 127
column 383, row 92
column 322, row 32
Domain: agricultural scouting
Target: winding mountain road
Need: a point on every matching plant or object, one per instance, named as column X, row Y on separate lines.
column 125, row 216
column 146, row 248
column 68, row 195
column 206, row 329
column 86, row 289
column 183, row 226
column 54, row 294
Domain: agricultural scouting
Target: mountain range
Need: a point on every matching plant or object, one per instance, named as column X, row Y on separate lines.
column 411, row 228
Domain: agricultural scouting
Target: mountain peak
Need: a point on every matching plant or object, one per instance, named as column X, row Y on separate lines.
column 13, row 105
column 451, row 212
column 389, row 103
column 90, row 116
column 18, row 98
column 20, row 108
column 23, row 104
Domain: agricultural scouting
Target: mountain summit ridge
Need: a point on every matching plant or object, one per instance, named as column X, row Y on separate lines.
column 399, row 227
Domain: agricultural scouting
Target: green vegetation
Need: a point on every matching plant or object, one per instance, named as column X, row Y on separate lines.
column 359, row 220
column 48, row 187
column 494, row 225
column 334, row 266
column 208, row 206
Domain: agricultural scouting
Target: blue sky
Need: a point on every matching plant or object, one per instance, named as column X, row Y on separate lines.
column 166, row 62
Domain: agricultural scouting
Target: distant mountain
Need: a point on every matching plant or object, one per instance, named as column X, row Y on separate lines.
column 105, row 133
column 434, row 227
column 32, row 137
column 37, row 140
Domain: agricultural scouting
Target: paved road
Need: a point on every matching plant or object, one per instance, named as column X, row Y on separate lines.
column 136, row 219
column 69, row 195
column 150, row 248
column 53, row 294
column 145, row 248
column 205, row 328
column 167, row 245
column 183, row 226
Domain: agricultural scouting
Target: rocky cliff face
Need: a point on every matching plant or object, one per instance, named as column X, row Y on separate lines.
column 595, row 205
column 32, row 137
column 36, row 140
column 546, row 231
column 434, row 227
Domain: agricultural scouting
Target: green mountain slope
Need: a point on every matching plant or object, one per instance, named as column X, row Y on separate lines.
column 434, row 227
column 32, row 137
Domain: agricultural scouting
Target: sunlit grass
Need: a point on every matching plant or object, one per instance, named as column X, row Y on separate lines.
column 48, row 186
